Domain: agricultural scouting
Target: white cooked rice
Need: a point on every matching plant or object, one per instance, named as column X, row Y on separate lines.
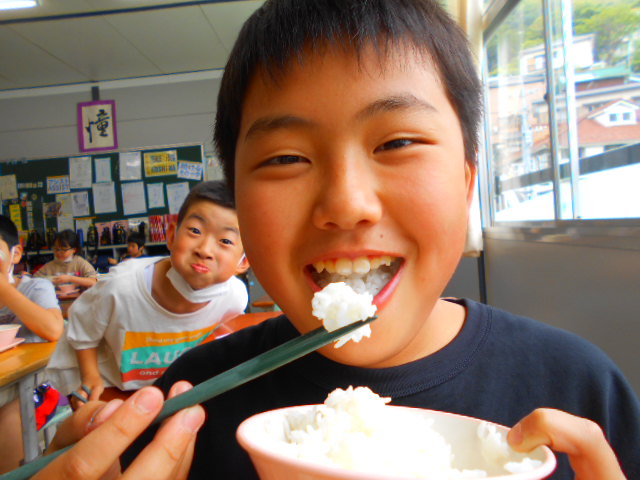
column 338, row 305
column 352, row 430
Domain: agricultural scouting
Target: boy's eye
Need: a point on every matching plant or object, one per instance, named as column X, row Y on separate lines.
column 226, row 241
column 394, row 144
column 284, row 160
column 194, row 230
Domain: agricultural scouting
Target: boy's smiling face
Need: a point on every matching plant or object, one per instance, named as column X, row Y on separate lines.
column 346, row 165
column 206, row 247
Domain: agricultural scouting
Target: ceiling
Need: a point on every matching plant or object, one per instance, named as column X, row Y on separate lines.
column 66, row 42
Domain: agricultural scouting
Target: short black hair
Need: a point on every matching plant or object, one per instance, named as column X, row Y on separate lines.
column 9, row 231
column 280, row 31
column 68, row 238
column 215, row 191
column 137, row 238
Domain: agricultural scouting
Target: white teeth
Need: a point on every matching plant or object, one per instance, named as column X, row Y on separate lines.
column 363, row 274
column 344, row 266
column 361, row 265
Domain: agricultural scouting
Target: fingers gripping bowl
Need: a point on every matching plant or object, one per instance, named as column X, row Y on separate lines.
column 356, row 437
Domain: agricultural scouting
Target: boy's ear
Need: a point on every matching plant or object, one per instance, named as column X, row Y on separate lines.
column 171, row 234
column 243, row 266
column 17, row 253
column 470, row 172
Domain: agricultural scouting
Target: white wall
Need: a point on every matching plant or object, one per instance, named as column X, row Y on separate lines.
column 150, row 112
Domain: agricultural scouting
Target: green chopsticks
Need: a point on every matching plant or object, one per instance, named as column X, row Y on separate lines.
column 234, row 377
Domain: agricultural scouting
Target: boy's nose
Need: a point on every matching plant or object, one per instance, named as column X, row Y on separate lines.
column 206, row 248
column 347, row 196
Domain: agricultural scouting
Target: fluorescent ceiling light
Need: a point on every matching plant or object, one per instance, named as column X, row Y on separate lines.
column 11, row 4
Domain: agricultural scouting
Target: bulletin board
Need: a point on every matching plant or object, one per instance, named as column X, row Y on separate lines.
column 67, row 192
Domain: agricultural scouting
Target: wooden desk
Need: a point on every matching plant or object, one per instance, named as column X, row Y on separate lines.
column 19, row 366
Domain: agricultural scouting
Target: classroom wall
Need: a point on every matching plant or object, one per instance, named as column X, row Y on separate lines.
column 150, row 112
column 588, row 290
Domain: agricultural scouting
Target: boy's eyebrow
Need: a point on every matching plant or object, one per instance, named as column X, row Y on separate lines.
column 226, row 228
column 395, row 102
column 270, row 123
column 388, row 104
column 231, row 229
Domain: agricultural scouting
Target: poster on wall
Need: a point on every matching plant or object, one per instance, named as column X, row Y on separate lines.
column 133, row 198
column 104, row 198
column 97, row 126
column 157, row 164
column 58, row 184
column 8, row 187
column 130, row 166
column 190, row 170
column 80, row 172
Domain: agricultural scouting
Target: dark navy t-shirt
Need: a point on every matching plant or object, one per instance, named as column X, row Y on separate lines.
column 499, row 368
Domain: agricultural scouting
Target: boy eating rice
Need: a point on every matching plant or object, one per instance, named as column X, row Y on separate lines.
column 349, row 131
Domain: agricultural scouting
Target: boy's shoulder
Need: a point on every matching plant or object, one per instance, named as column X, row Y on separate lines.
column 514, row 335
column 131, row 266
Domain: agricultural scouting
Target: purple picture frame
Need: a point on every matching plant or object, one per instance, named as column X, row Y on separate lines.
column 97, row 126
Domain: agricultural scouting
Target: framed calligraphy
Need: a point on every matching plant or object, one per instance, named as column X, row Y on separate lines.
column 97, row 126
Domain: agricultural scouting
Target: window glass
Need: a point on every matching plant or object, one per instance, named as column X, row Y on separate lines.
column 606, row 50
column 517, row 117
column 596, row 93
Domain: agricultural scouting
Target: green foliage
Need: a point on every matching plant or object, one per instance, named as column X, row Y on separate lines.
column 612, row 24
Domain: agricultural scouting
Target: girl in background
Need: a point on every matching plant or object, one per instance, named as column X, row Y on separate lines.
column 69, row 272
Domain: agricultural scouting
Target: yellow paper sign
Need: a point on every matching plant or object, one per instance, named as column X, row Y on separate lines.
column 16, row 215
column 157, row 164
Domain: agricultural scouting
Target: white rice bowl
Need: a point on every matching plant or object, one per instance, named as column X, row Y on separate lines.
column 354, row 439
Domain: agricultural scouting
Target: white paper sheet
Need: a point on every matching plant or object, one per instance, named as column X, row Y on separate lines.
column 65, row 215
column 190, row 170
column 8, row 187
column 103, row 169
column 155, row 194
column 130, row 166
column 80, row 174
column 133, row 198
column 80, row 203
column 104, row 198
column 176, row 193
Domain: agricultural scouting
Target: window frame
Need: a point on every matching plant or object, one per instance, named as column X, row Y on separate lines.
column 619, row 233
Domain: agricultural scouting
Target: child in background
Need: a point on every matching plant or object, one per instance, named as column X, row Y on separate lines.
column 32, row 303
column 69, row 272
column 135, row 248
column 349, row 131
column 125, row 331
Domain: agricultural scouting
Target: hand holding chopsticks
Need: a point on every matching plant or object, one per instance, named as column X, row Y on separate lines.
column 245, row 372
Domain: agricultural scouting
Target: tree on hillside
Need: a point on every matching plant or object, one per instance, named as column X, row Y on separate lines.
column 612, row 25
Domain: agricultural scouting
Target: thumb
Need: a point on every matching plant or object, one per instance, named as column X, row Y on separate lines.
column 591, row 456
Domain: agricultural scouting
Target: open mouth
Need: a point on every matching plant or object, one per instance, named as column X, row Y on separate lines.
column 363, row 274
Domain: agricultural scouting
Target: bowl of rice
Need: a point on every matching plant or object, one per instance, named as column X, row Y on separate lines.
column 355, row 435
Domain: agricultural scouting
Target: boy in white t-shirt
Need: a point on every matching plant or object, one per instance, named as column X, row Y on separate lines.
column 146, row 312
